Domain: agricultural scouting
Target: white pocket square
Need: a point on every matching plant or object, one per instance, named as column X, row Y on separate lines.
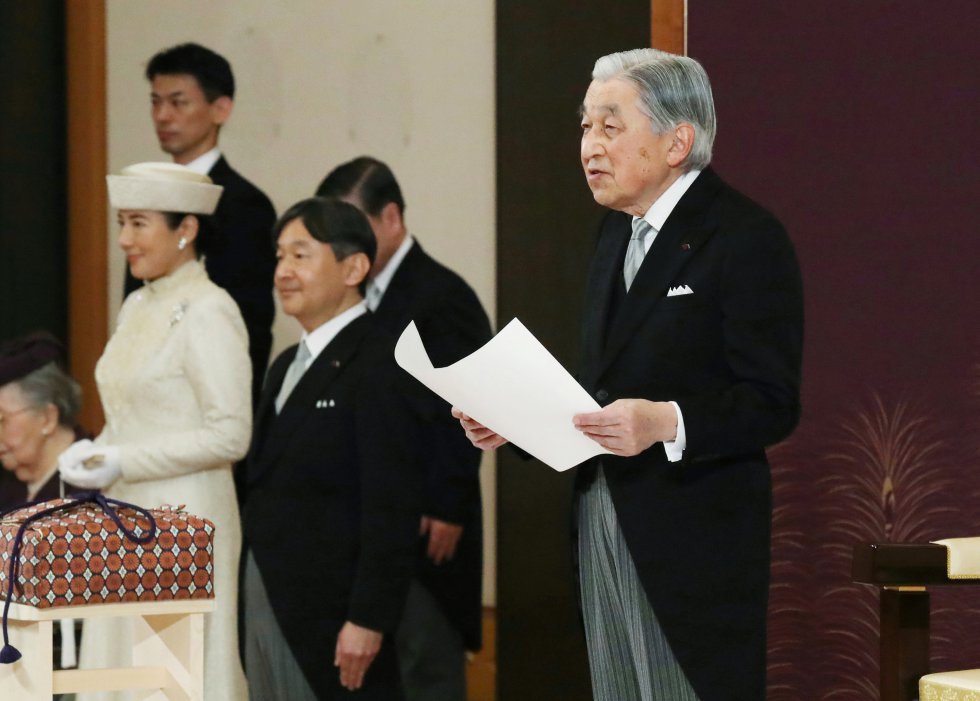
column 681, row 290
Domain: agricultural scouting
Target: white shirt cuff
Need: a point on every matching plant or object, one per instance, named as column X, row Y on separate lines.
column 675, row 448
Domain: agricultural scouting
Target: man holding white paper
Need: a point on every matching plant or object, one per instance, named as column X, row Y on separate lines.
column 693, row 340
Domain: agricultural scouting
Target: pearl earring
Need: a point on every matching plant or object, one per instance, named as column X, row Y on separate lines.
column 182, row 244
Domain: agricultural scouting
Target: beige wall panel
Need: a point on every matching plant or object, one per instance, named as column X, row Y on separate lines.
column 322, row 82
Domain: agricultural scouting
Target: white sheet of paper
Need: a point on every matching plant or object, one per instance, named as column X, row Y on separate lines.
column 516, row 388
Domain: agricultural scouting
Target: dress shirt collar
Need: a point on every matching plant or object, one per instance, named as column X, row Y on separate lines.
column 321, row 336
column 383, row 279
column 661, row 209
column 205, row 162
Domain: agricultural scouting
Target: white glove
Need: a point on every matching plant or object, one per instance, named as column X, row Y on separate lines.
column 90, row 466
column 72, row 453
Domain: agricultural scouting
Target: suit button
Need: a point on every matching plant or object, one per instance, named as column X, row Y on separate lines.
column 602, row 395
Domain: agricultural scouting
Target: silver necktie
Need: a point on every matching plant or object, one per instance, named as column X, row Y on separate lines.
column 636, row 251
column 372, row 296
column 295, row 371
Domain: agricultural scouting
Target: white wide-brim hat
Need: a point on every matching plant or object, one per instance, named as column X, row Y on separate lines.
column 163, row 187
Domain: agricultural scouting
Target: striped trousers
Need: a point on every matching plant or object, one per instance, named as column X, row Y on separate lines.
column 272, row 671
column 629, row 656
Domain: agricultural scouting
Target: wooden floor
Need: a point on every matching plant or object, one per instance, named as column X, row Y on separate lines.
column 481, row 670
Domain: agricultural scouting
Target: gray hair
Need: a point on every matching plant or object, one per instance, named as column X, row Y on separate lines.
column 49, row 384
column 673, row 89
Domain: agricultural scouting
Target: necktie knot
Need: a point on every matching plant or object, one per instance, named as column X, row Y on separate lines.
column 635, row 251
column 302, row 353
column 372, row 296
column 293, row 374
column 641, row 227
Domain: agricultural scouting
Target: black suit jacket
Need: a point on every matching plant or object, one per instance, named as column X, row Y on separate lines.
column 729, row 354
column 452, row 325
column 243, row 260
column 331, row 505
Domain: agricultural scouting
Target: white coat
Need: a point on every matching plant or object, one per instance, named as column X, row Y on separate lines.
column 175, row 385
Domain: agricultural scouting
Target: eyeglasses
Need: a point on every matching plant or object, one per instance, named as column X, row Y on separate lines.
column 5, row 414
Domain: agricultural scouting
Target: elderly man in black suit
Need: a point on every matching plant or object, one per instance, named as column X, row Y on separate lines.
column 192, row 96
column 443, row 614
column 692, row 345
column 331, row 499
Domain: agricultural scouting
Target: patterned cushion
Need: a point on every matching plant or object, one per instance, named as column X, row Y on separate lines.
column 951, row 686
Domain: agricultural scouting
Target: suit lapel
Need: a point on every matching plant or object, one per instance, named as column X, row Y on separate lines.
column 396, row 301
column 677, row 243
column 606, row 274
column 220, row 170
column 265, row 415
column 325, row 369
column 265, row 412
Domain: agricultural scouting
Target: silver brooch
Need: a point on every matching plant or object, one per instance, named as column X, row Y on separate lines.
column 178, row 313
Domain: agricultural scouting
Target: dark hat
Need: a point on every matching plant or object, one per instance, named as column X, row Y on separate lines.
column 22, row 356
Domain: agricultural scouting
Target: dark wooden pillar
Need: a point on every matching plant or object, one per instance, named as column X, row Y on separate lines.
column 546, row 223
column 668, row 25
column 87, row 225
column 32, row 168
column 904, row 641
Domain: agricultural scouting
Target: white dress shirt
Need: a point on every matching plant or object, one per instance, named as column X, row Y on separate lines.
column 320, row 337
column 205, row 162
column 379, row 283
column 655, row 217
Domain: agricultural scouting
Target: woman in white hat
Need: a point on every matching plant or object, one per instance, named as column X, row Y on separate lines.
column 174, row 381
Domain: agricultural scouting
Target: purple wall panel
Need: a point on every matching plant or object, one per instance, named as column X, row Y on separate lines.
column 856, row 123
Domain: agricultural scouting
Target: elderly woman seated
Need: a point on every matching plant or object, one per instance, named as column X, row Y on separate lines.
column 39, row 404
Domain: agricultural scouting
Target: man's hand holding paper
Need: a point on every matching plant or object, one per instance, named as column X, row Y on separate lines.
column 627, row 427
column 510, row 390
column 478, row 434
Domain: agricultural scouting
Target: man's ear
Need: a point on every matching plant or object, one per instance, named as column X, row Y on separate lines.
column 682, row 144
column 221, row 109
column 391, row 217
column 356, row 267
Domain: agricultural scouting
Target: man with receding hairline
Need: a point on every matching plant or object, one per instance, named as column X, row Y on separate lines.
column 442, row 618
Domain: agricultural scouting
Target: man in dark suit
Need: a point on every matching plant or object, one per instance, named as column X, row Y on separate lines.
column 331, row 503
column 192, row 94
column 692, row 345
column 442, row 617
